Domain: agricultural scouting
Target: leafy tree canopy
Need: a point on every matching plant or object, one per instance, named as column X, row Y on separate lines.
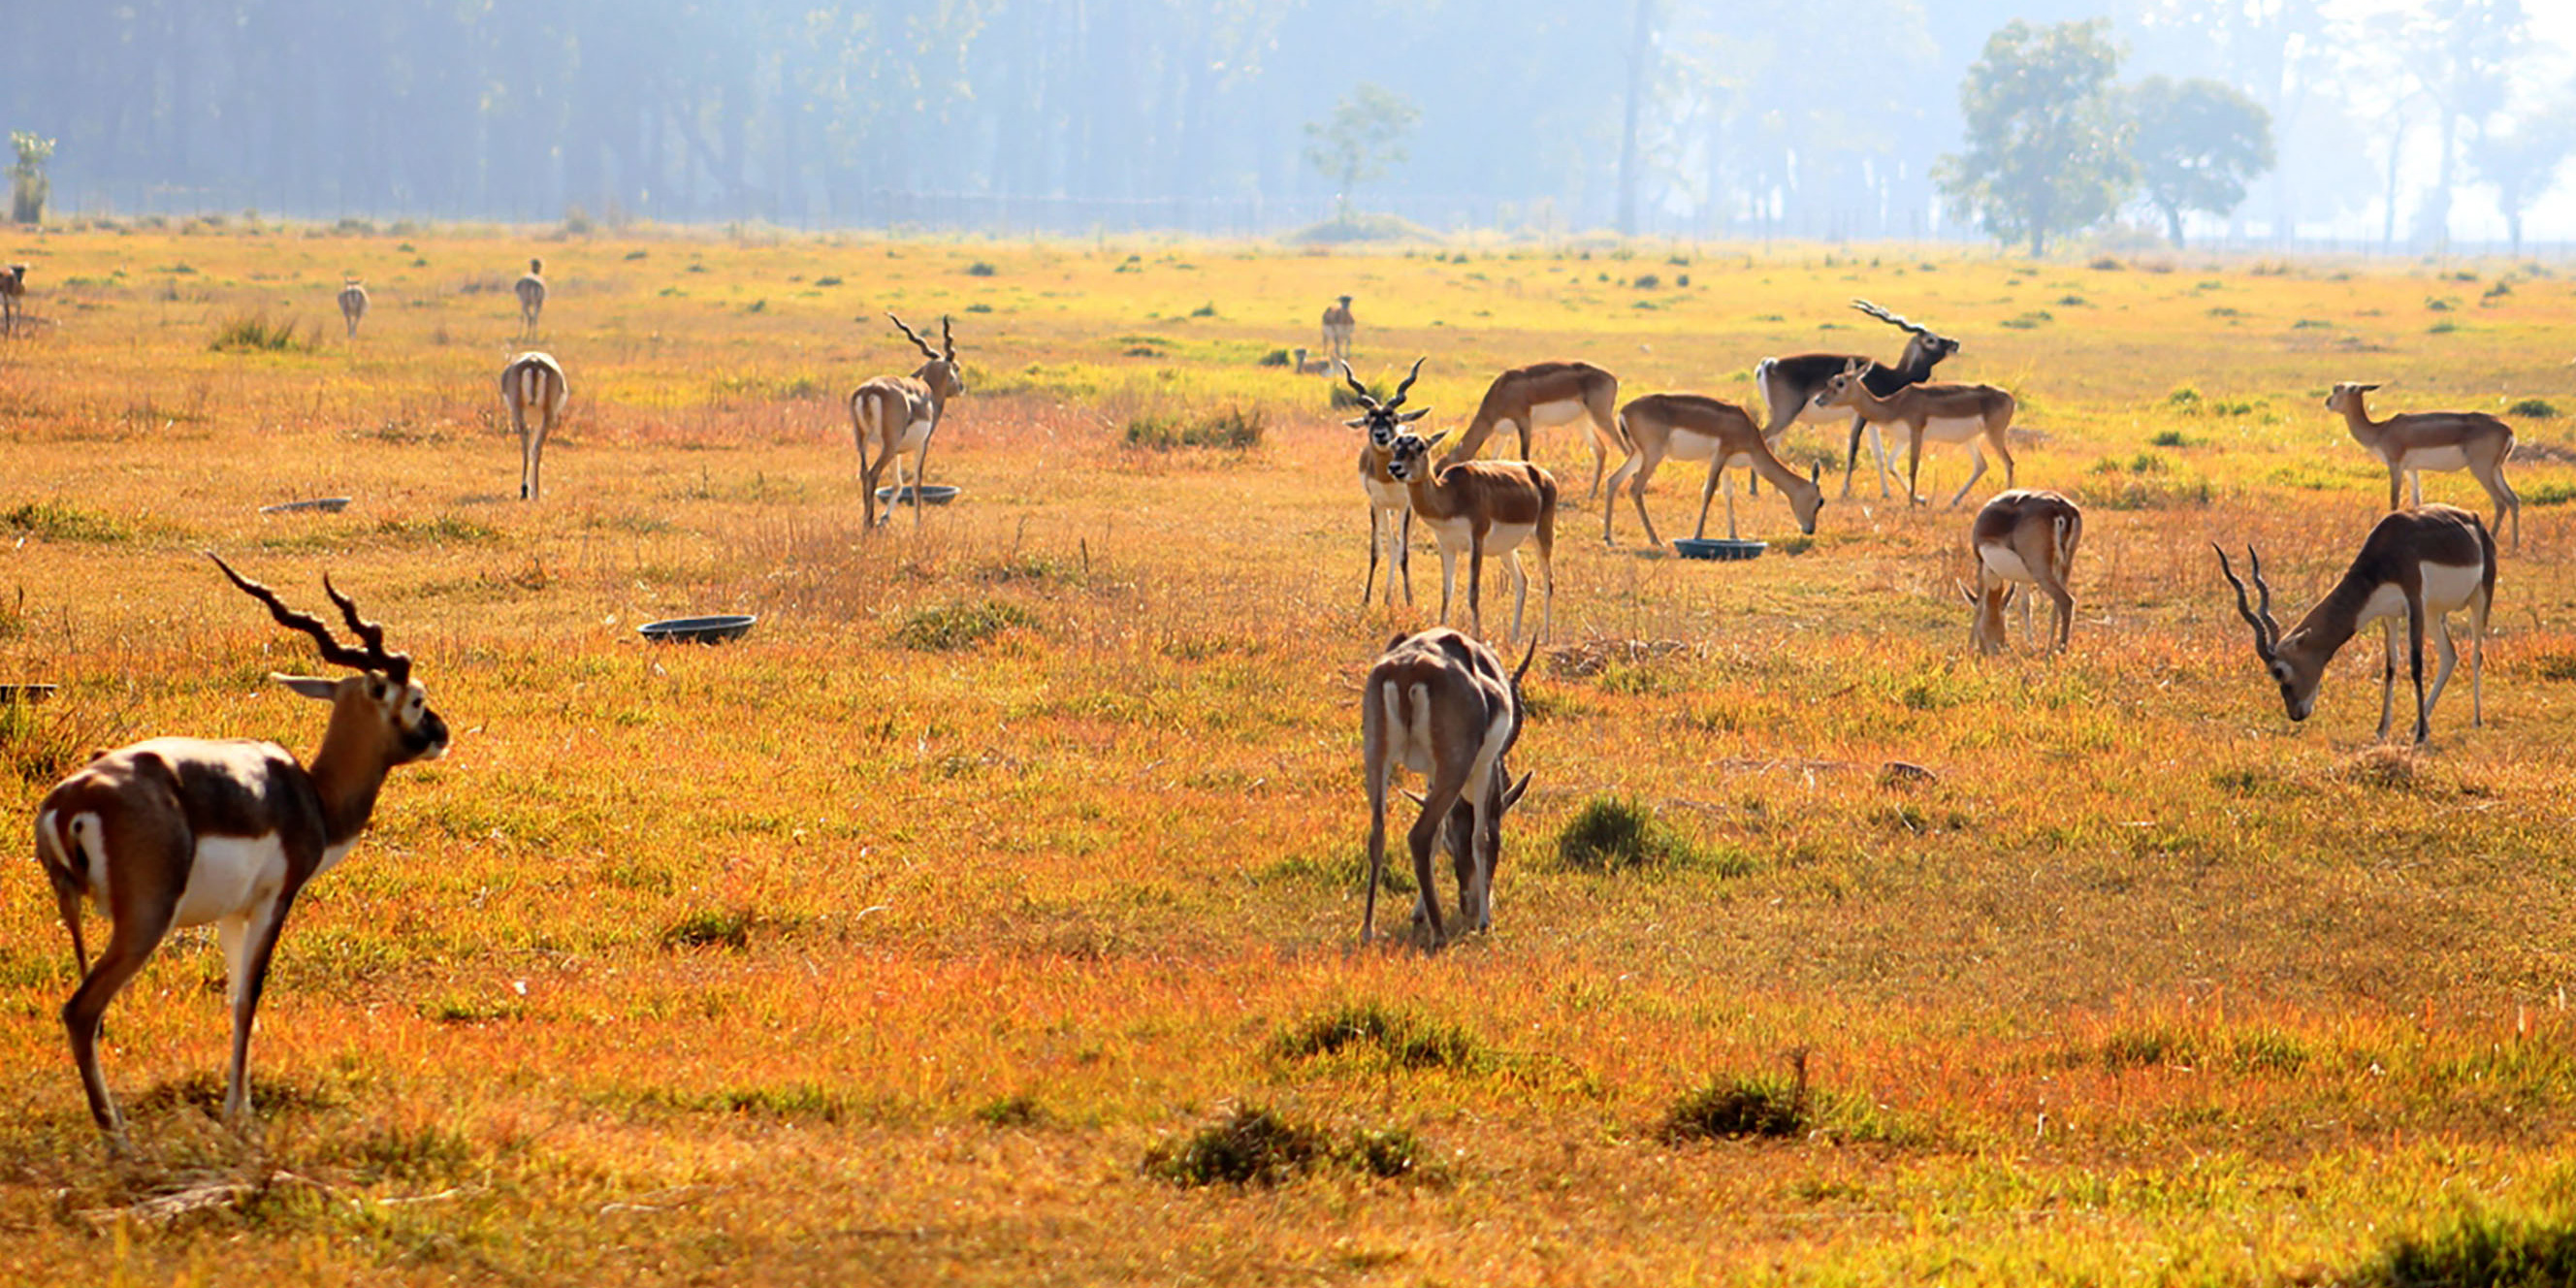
column 2196, row 142
column 2047, row 143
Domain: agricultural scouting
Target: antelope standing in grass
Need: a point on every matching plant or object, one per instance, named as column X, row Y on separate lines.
column 353, row 304
column 897, row 415
column 1790, row 385
column 13, row 297
column 2412, row 442
column 1547, row 394
column 1390, row 500
column 2416, row 568
column 2025, row 537
column 184, row 831
column 1482, row 508
column 1339, row 327
column 1693, row 427
column 1314, row 366
column 531, row 290
column 1439, row 704
column 534, row 389
column 1943, row 413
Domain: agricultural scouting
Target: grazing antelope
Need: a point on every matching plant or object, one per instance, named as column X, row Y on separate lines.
column 1943, row 413
column 185, row 831
column 1439, row 704
column 1390, row 501
column 13, row 297
column 353, row 304
column 2416, row 567
column 532, row 296
column 1315, row 366
column 1339, row 327
column 898, row 414
column 1482, row 508
column 1790, row 385
column 533, row 388
column 2413, row 442
column 2027, row 536
column 1693, row 427
column 1547, row 394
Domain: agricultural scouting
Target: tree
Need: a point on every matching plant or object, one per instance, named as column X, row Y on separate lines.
column 28, row 186
column 2522, row 162
column 1364, row 136
column 2047, row 147
column 2196, row 143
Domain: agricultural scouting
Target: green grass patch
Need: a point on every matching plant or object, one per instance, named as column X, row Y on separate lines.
column 2533, row 407
column 255, row 333
column 1407, row 1040
column 2474, row 1247
column 947, row 628
column 1759, row 1106
column 1614, row 834
column 63, row 521
column 1250, row 1146
column 1234, row 429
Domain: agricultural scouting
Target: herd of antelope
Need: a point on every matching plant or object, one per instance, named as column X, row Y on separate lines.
column 175, row 832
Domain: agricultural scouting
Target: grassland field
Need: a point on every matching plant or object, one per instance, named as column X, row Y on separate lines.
column 919, row 936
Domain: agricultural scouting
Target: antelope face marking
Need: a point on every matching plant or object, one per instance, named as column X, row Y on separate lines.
column 2298, row 693
column 1409, row 458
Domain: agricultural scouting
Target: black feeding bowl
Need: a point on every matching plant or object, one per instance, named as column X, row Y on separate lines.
column 930, row 494
column 699, row 630
column 1713, row 548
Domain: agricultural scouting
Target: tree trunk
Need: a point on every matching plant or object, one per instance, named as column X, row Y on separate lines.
column 2173, row 224
column 1637, row 53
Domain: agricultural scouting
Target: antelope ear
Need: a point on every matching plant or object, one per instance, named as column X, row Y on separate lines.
column 1361, row 423
column 309, row 686
column 1513, row 796
column 2367, row 388
column 1414, row 415
column 1434, row 440
column 1812, row 475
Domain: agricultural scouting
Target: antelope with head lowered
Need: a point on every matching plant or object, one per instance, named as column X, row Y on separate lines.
column 1693, row 427
column 1438, row 703
column 1790, row 385
column 2413, row 442
column 184, row 831
column 1480, row 508
column 1943, row 413
column 1547, row 394
column 1390, row 500
column 2026, row 537
column 2416, row 568
column 897, row 415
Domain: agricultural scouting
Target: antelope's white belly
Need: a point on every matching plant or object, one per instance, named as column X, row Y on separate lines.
column 914, row 435
column 2435, row 458
column 1460, row 534
column 1564, row 411
column 2447, row 589
column 1385, row 495
column 2004, row 563
column 230, row 874
column 1953, row 429
column 1686, row 446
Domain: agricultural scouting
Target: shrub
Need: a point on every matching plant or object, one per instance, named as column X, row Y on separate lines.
column 1737, row 1108
column 1648, row 281
column 1250, row 1146
column 2539, row 407
column 254, row 333
column 2169, row 438
column 2476, row 1248
column 1615, row 833
column 979, row 269
column 1386, row 1154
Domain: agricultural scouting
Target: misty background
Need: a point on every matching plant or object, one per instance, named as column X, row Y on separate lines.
column 2393, row 124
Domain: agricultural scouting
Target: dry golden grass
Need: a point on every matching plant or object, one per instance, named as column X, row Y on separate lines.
column 887, row 944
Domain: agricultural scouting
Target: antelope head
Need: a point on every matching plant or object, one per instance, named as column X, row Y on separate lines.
column 1383, row 423
column 1409, row 456
column 2346, row 398
column 2296, row 668
column 1921, row 341
column 1837, row 389
column 380, row 714
column 940, row 372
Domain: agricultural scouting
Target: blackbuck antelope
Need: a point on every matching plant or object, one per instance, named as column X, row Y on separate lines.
column 1482, row 508
column 185, row 831
column 1439, row 704
column 1339, row 327
column 534, row 389
column 13, row 297
column 1693, row 427
column 896, row 415
column 1390, row 501
column 1543, row 395
column 2025, row 537
column 353, row 304
column 1315, row 366
column 531, row 290
column 2412, row 442
column 1790, row 385
column 1942, row 413
column 2416, row 567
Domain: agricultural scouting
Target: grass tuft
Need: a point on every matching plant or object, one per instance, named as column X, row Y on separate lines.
column 254, row 333
column 1614, row 833
column 1234, row 429
column 63, row 521
column 1760, row 1106
column 1408, row 1040
column 1250, row 1146
column 2477, row 1248
column 710, row 929
column 948, row 628
column 1016, row 1110
column 2536, row 407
